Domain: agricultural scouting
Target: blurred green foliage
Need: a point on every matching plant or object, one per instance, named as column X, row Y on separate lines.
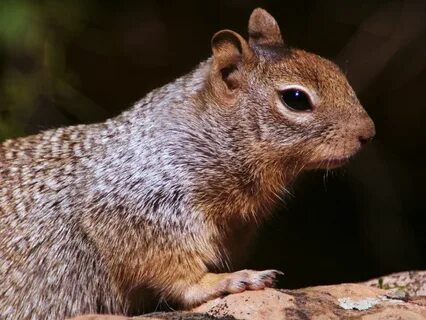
column 33, row 37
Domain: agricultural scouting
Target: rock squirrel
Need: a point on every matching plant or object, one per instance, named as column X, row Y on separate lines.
column 170, row 191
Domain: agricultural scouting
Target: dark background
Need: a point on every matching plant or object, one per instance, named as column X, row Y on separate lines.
column 68, row 62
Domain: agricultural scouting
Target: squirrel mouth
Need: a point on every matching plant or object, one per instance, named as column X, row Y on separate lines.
column 332, row 163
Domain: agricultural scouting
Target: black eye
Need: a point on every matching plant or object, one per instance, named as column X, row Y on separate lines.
column 296, row 99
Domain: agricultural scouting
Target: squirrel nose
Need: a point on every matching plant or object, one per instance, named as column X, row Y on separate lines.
column 363, row 140
column 367, row 132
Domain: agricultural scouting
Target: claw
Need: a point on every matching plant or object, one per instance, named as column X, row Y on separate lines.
column 273, row 271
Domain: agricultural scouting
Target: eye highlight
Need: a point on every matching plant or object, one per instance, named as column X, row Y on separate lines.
column 295, row 99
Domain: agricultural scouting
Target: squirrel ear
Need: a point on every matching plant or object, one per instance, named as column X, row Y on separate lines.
column 230, row 52
column 263, row 29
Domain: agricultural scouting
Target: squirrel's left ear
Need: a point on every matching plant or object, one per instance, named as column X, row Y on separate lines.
column 263, row 29
column 231, row 53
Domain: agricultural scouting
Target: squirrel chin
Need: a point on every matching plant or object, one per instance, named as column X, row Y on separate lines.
column 328, row 164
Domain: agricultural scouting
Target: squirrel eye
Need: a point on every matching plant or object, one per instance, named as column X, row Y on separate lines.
column 295, row 99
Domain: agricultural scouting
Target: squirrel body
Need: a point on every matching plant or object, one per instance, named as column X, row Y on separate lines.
column 173, row 189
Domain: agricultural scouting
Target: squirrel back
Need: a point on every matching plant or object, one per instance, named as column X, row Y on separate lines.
column 174, row 188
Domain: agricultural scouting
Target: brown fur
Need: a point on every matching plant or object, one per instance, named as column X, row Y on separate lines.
column 152, row 202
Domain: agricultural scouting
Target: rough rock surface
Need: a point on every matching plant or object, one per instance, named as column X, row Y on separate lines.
column 397, row 296
column 412, row 283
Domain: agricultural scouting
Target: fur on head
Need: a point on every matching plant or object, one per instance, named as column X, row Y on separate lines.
column 294, row 102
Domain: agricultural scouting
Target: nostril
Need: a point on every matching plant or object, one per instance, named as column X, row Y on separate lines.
column 364, row 140
column 367, row 133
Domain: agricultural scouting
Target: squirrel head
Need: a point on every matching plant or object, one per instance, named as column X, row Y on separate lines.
column 289, row 101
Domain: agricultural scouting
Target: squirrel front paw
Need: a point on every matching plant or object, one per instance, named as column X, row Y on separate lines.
column 213, row 285
column 247, row 280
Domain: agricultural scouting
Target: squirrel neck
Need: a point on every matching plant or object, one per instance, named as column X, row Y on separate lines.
column 188, row 143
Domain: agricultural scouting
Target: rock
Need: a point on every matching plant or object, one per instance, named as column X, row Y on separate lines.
column 178, row 315
column 344, row 301
column 412, row 283
column 397, row 296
